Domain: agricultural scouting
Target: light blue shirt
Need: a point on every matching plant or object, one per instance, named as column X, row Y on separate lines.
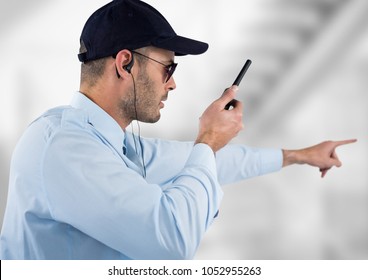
column 76, row 189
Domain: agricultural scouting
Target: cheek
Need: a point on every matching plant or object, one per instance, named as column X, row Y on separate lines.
column 148, row 93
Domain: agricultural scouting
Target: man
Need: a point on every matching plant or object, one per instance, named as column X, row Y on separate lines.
column 82, row 187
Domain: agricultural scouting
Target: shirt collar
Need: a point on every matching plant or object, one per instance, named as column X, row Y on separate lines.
column 100, row 120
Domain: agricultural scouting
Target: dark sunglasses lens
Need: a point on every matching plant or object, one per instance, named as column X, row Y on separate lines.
column 170, row 71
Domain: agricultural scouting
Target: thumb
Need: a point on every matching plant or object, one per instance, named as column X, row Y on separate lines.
column 337, row 162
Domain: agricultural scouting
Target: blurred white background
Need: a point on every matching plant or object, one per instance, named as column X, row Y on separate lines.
column 308, row 83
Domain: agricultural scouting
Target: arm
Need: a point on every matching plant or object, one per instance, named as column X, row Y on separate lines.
column 238, row 162
column 322, row 155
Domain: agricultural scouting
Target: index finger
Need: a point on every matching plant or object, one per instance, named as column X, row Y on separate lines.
column 344, row 142
column 227, row 96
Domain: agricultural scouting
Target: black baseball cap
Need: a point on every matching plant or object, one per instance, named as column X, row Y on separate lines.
column 132, row 24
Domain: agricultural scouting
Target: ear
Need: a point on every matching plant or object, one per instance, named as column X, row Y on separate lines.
column 129, row 66
column 124, row 62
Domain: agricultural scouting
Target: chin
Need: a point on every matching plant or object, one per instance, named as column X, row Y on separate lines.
column 152, row 120
column 157, row 119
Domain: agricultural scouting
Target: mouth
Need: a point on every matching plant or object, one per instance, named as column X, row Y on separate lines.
column 162, row 105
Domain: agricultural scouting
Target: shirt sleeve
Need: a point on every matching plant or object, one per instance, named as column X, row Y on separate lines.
column 90, row 188
column 239, row 162
column 233, row 162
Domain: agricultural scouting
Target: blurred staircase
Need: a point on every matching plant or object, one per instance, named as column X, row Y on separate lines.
column 293, row 44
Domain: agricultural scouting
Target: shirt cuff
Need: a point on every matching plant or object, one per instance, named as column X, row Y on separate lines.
column 204, row 156
column 271, row 160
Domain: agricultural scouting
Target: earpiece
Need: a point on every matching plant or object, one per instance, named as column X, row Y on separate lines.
column 129, row 66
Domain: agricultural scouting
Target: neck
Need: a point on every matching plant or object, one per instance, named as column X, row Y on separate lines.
column 106, row 99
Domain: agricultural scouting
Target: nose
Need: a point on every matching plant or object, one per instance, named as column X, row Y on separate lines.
column 171, row 85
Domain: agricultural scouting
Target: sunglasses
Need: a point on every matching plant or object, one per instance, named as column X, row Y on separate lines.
column 170, row 69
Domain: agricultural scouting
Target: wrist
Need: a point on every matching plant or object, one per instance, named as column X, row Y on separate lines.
column 291, row 157
column 208, row 139
column 205, row 143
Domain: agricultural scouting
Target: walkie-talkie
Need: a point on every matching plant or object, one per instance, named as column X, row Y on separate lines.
column 238, row 80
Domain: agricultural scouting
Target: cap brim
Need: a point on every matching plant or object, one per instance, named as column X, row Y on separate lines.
column 182, row 45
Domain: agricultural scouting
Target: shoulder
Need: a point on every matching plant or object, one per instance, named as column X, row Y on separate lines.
column 57, row 122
